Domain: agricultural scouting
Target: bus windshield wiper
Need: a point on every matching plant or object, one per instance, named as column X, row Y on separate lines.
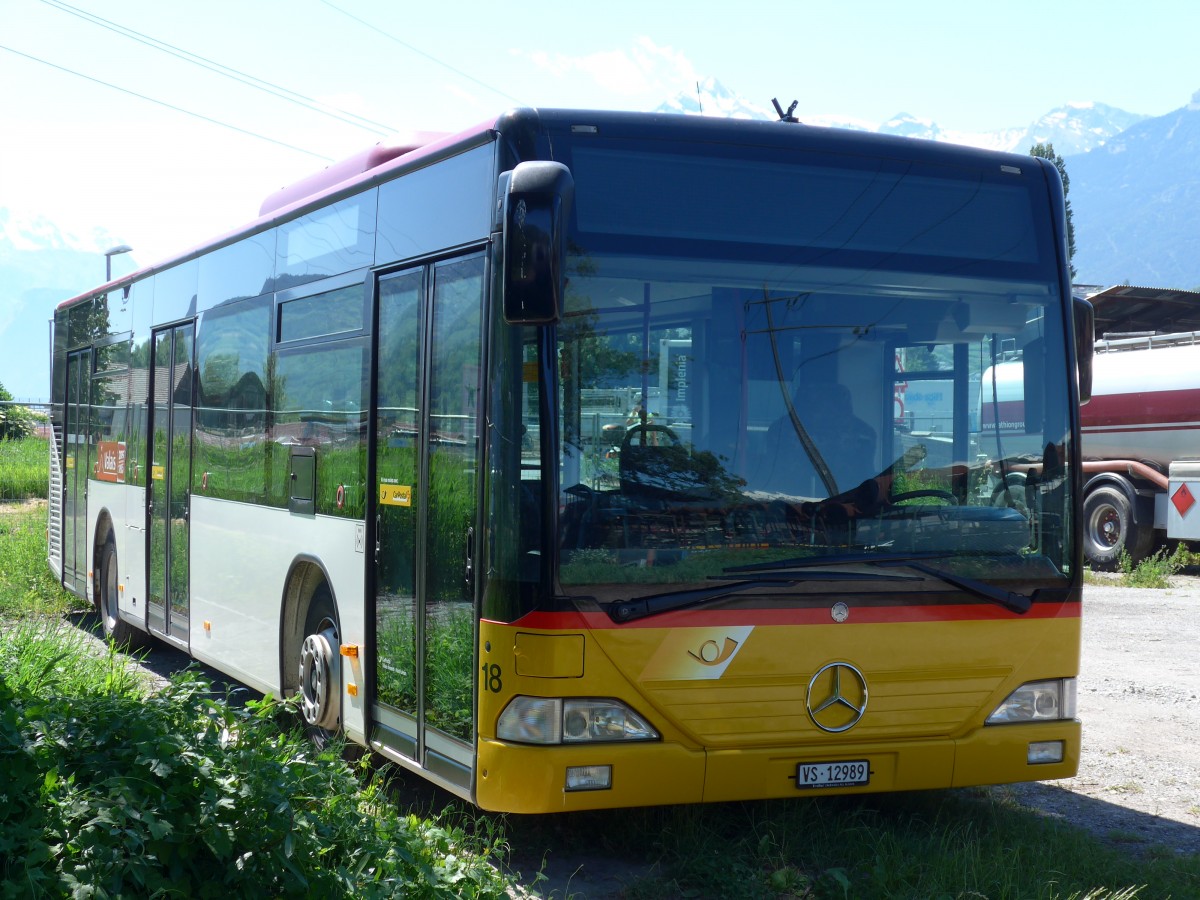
column 1018, row 603
column 623, row 611
column 805, row 562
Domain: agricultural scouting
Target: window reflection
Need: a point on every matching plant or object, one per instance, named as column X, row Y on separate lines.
column 319, row 396
column 712, row 423
column 231, row 412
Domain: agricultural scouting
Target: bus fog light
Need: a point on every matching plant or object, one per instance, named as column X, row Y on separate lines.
column 1045, row 752
column 589, row 778
column 531, row 720
column 1037, row 701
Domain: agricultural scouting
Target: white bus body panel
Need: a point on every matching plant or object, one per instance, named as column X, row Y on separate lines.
column 105, row 496
column 125, row 505
column 240, row 560
column 132, row 560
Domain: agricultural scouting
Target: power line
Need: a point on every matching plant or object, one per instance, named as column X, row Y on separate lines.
column 188, row 112
column 431, row 58
column 196, row 59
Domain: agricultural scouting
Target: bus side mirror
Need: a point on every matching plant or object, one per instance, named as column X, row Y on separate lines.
column 536, row 206
column 1085, row 344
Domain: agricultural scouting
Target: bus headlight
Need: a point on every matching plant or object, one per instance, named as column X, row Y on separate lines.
column 1037, row 701
column 554, row 720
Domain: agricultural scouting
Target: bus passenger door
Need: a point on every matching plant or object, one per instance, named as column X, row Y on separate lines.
column 170, row 481
column 428, row 363
column 77, row 413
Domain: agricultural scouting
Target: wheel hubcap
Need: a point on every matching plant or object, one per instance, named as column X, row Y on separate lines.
column 319, row 679
column 1109, row 527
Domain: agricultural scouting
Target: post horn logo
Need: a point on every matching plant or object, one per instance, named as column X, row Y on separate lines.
column 837, row 697
column 710, row 654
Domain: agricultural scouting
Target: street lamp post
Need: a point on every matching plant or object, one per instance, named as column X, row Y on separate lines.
column 108, row 255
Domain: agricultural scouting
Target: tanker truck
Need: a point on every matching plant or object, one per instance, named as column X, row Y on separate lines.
column 1141, row 446
column 1141, row 428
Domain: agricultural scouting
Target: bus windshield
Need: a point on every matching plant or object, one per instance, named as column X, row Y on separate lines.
column 806, row 361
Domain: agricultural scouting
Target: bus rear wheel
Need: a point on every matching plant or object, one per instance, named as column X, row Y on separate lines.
column 1109, row 529
column 320, row 668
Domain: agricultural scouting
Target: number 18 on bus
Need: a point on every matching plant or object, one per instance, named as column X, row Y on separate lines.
column 558, row 460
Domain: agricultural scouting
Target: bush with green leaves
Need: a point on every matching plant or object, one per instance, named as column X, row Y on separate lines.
column 16, row 422
column 111, row 791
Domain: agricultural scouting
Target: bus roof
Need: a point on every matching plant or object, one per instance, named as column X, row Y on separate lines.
column 378, row 163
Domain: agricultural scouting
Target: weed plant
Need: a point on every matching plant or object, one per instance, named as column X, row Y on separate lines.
column 111, row 791
column 1154, row 571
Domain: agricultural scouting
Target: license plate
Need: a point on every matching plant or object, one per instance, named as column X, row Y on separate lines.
column 844, row 773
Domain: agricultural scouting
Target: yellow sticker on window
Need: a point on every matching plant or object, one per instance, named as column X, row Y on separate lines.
column 395, row 494
column 158, row 473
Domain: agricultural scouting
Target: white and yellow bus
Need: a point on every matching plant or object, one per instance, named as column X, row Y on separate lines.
column 376, row 449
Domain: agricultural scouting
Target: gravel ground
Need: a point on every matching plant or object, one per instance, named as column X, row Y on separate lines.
column 1139, row 699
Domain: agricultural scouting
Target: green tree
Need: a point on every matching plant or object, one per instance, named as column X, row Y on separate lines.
column 1046, row 151
column 16, row 422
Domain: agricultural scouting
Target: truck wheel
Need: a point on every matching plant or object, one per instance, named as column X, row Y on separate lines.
column 1109, row 529
column 320, row 669
column 116, row 629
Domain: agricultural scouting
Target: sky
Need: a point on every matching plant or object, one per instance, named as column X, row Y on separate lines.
column 120, row 142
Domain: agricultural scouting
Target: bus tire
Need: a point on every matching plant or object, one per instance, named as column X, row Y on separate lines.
column 1109, row 529
column 320, row 686
column 116, row 629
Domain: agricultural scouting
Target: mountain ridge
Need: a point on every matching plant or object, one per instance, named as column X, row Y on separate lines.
column 1072, row 128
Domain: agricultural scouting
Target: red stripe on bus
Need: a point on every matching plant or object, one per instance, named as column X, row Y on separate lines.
column 859, row 615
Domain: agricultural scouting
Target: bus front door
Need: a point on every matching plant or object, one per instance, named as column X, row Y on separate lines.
column 427, row 380
column 77, row 413
column 170, row 482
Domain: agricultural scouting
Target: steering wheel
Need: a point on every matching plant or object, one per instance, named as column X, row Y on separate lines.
column 643, row 429
column 928, row 492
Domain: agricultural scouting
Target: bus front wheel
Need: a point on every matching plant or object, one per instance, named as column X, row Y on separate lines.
column 116, row 629
column 320, row 666
column 1109, row 529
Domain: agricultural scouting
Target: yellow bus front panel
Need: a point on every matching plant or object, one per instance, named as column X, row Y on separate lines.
column 733, row 703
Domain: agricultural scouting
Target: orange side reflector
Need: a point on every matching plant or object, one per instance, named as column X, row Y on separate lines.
column 207, row 625
column 352, row 689
column 350, row 650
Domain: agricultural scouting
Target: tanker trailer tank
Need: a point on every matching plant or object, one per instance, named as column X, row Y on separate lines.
column 1141, row 445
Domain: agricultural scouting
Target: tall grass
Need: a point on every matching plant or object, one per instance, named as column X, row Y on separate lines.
column 24, row 468
column 26, row 582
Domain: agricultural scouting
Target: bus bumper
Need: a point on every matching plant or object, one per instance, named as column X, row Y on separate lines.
column 990, row 755
column 523, row 779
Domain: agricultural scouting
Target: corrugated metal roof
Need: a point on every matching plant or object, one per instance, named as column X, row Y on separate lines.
column 1126, row 309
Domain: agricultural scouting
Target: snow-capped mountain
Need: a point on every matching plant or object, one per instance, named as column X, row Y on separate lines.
column 711, row 98
column 1077, row 127
column 1073, row 128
